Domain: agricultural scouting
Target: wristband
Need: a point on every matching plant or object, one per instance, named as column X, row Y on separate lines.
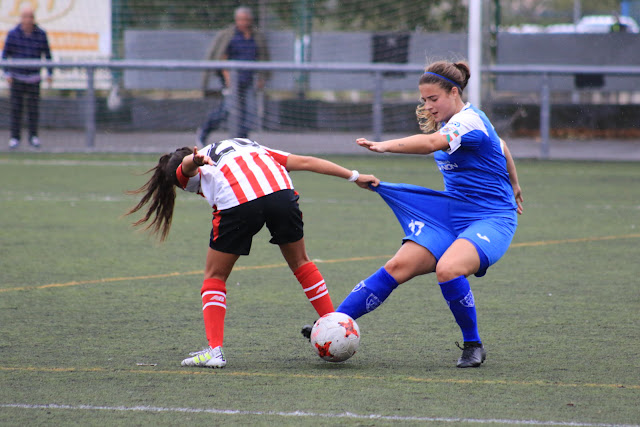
column 354, row 176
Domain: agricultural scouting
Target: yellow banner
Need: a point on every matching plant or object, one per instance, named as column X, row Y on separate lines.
column 67, row 40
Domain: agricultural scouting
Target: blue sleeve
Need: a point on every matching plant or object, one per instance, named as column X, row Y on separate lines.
column 464, row 129
column 473, row 139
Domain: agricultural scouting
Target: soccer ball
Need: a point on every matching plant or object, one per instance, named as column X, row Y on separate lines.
column 335, row 337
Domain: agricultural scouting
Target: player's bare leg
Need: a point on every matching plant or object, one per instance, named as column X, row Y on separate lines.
column 410, row 260
column 461, row 259
column 295, row 254
column 219, row 265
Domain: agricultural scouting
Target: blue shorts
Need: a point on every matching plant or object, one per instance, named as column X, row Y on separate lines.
column 435, row 219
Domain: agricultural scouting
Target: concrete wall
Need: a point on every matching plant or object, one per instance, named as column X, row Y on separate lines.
column 568, row 49
column 559, row 49
column 325, row 47
column 173, row 45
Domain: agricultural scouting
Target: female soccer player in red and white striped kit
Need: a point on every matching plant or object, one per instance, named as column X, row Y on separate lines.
column 248, row 186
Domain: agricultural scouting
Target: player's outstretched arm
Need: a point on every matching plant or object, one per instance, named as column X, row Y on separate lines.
column 414, row 144
column 192, row 162
column 325, row 167
column 513, row 176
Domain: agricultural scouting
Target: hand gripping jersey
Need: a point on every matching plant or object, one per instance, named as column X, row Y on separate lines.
column 243, row 170
column 474, row 167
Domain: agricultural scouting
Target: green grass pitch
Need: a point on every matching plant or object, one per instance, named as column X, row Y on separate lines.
column 95, row 317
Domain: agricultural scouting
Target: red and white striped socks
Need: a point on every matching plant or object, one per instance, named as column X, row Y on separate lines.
column 214, row 300
column 214, row 307
column 314, row 288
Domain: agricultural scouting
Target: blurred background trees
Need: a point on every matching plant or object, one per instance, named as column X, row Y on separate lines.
column 350, row 15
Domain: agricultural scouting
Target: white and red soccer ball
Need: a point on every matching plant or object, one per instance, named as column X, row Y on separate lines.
column 335, row 337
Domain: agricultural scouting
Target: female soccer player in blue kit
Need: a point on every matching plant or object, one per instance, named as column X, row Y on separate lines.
column 456, row 232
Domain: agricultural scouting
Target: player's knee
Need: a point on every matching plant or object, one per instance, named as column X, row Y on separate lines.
column 295, row 254
column 396, row 268
column 446, row 271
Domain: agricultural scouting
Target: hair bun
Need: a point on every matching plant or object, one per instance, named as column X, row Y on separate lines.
column 466, row 72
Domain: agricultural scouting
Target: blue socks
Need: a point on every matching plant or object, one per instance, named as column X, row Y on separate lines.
column 371, row 292
column 458, row 294
column 368, row 294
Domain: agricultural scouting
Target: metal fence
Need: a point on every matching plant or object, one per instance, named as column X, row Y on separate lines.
column 542, row 72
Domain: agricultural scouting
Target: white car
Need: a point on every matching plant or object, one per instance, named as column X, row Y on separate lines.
column 603, row 23
column 560, row 29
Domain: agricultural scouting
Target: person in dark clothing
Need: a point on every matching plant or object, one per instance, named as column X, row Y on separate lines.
column 618, row 26
column 25, row 41
column 239, row 42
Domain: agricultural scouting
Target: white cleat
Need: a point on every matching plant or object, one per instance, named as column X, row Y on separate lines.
column 207, row 358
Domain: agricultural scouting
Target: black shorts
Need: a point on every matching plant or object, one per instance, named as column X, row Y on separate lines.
column 234, row 228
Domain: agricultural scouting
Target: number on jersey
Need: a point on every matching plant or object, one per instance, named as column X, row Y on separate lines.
column 416, row 225
column 217, row 150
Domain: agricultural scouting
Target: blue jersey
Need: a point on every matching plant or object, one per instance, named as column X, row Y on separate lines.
column 474, row 167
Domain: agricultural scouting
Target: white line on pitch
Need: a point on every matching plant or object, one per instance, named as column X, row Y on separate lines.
column 344, row 415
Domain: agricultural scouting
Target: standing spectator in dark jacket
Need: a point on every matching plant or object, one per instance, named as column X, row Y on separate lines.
column 25, row 41
column 239, row 42
column 618, row 26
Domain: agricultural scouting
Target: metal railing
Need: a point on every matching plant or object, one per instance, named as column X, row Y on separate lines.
column 544, row 72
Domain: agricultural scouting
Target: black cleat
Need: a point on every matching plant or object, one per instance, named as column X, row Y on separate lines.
column 473, row 354
column 306, row 331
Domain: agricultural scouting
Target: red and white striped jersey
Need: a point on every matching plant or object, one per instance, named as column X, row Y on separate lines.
column 243, row 170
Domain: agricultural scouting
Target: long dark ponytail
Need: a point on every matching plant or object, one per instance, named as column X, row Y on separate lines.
column 160, row 193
